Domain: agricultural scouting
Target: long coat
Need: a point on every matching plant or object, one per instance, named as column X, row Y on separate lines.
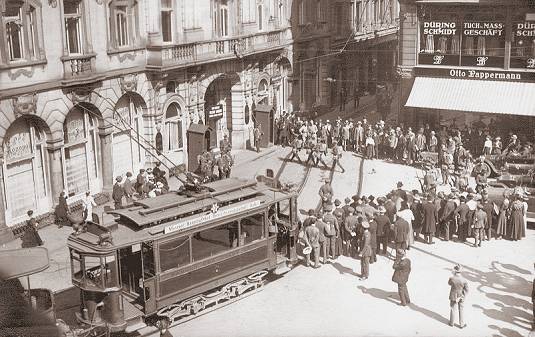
column 366, row 244
column 401, row 230
column 517, row 220
column 430, row 217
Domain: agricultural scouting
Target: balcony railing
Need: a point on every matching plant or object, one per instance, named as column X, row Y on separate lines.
column 205, row 51
column 78, row 67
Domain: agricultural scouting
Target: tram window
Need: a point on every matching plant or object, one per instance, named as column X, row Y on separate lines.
column 93, row 270
column 110, row 271
column 252, row 228
column 214, row 240
column 147, row 250
column 174, row 253
column 76, row 266
column 283, row 208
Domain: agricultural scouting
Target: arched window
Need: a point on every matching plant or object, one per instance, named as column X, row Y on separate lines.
column 80, row 154
column 173, row 127
column 263, row 92
column 25, row 170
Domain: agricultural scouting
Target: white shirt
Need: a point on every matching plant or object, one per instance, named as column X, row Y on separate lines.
column 488, row 143
column 88, row 204
column 406, row 215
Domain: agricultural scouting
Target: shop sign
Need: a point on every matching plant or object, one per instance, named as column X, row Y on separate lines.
column 214, row 214
column 439, row 28
column 18, row 146
column 215, row 112
column 524, row 29
column 75, row 130
column 477, row 74
column 483, row 29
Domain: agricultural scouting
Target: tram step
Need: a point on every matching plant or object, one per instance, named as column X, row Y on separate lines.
column 132, row 328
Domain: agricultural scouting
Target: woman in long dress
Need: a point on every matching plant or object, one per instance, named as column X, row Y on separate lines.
column 517, row 219
column 31, row 237
column 88, row 204
column 501, row 229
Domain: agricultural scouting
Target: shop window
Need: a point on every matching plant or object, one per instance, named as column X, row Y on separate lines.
column 167, row 20
column 252, row 228
column 440, row 39
column 173, row 127
column 523, row 44
column 21, row 30
column 174, row 254
column 123, row 18
column 72, row 13
column 213, row 241
column 483, row 43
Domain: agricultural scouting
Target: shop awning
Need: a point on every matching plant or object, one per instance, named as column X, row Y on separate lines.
column 511, row 98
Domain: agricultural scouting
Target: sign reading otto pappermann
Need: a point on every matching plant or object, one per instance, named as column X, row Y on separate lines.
column 477, row 74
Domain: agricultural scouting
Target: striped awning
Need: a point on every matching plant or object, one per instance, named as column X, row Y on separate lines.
column 501, row 97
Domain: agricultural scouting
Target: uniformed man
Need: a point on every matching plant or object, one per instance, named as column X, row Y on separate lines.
column 350, row 226
column 447, row 217
column 224, row 145
column 479, row 224
column 331, row 228
column 337, row 154
column 326, row 193
column 312, row 235
column 297, row 145
column 257, row 133
column 224, row 165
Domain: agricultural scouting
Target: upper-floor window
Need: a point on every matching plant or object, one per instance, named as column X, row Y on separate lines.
column 73, row 16
column 167, row 20
column 123, row 17
column 282, row 10
column 339, row 15
column 248, row 11
column 260, row 17
column 319, row 11
column 192, row 13
column 21, row 30
column 221, row 18
column 356, row 21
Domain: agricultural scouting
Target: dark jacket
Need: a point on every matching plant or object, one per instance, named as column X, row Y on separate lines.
column 117, row 193
column 383, row 225
column 401, row 230
column 402, row 269
column 366, row 249
column 458, row 287
column 373, row 233
column 462, row 211
column 447, row 211
column 430, row 217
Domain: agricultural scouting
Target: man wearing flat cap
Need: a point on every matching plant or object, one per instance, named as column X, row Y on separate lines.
column 402, row 270
column 118, row 193
column 326, row 193
column 458, row 292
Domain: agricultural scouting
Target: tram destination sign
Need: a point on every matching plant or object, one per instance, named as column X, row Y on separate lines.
column 477, row 74
column 213, row 215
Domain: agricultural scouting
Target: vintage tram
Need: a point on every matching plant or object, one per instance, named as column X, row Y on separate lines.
column 169, row 257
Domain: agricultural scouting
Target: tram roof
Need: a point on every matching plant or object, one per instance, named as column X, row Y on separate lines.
column 22, row 262
column 148, row 218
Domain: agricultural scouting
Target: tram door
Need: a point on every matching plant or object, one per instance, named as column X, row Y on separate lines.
column 149, row 277
column 131, row 272
column 281, row 229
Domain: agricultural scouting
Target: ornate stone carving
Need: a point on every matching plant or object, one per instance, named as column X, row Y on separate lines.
column 123, row 56
column 128, row 82
column 14, row 74
column 99, row 2
column 25, row 104
column 81, row 94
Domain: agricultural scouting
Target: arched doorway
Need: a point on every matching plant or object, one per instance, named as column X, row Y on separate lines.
column 262, row 93
column 128, row 155
column 80, row 151
column 218, row 107
column 25, row 168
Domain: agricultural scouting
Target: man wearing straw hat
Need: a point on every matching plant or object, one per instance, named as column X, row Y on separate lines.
column 458, row 292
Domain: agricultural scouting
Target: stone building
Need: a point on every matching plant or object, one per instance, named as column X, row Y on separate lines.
column 86, row 86
column 342, row 45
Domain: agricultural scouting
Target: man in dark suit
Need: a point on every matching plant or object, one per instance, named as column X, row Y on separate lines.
column 458, row 292
column 447, row 217
column 402, row 269
column 118, row 193
column 383, row 229
column 430, row 213
column 401, row 232
column 365, row 252
column 461, row 213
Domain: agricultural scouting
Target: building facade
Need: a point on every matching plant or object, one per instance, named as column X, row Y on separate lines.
column 342, row 49
column 87, row 86
column 466, row 63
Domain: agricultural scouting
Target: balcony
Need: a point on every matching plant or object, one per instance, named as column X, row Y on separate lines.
column 79, row 69
column 173, row 56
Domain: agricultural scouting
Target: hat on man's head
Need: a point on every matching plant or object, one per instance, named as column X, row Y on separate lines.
column 347, row 200
column 328, row 208
column 399, row 184
column 400, row 252
column 311, row 212
column 350, row 209
column 365, row 224
column 337, row 202
column 457, row 268
column 382, row 209
column 118, row 178
column 355, row 197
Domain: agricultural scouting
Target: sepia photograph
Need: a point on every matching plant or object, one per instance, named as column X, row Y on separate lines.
column 267, row 168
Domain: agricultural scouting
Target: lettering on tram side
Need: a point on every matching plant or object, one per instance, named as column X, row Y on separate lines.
column 210, row 216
